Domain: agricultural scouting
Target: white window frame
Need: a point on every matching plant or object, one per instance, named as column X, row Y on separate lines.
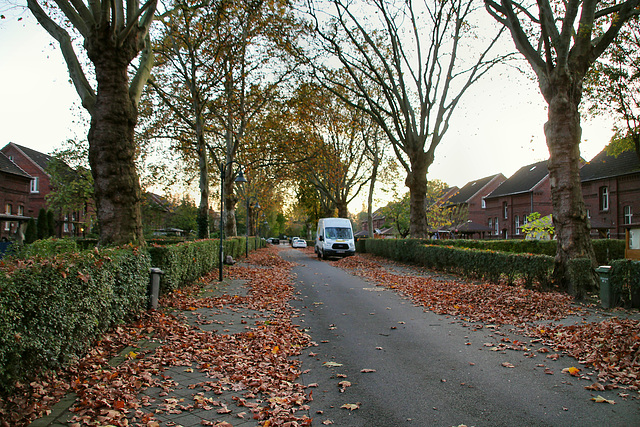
column 516, row 219
column 8, row 208
column 484, row 203
column 497, row 225
column 604, row 198
column 628, row 214
column 505, row 210
column 35, row 184
column 491, row 225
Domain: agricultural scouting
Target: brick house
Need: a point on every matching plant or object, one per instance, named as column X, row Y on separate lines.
column 34, row 163
column 611, row 192
column 14, row 197
column 526, row 191
column 469, row 201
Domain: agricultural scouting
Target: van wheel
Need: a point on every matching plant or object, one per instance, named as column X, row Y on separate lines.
column 324, row 256
column 318, row 253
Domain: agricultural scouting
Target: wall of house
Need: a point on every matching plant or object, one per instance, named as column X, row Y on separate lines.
column 36, row 198
column 14, row 190
column 623, row 191
column 521, row 205
column 477, row 213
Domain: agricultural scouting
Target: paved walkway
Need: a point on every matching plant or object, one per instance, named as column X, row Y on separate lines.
column 186, row 397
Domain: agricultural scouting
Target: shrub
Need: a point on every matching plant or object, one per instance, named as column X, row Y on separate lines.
column 625, row 281
column 52, row 308
column 530, row 269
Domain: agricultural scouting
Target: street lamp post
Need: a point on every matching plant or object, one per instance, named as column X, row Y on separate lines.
column 239, row 178
column 257, row 206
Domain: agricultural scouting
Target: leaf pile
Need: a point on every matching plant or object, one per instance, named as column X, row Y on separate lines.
column 480, row 302
column 611, row 347
column 257, row 362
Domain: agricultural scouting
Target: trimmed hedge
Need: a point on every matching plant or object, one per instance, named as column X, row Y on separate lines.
column 606, row 250
column 625, row 281
column 51, row 309
column 532, row 270
column 185, row 262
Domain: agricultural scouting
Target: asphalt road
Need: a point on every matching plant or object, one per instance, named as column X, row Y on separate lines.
column 430, row 370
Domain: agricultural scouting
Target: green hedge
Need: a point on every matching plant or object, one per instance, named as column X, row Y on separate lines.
column 625, row 281
column 532, row 270
column 51, row 309
column 606, row 250
column 185, row 262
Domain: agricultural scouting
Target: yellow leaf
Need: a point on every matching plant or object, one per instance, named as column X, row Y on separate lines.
column 601, row 399
column 275, row 349
column 351, row 406
column 572, row 371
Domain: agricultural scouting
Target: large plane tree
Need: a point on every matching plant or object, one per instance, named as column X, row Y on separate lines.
column 113, row 34
column 561, row 41
column 408, row 65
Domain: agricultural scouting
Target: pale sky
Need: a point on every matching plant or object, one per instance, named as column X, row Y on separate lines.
column 499, row 127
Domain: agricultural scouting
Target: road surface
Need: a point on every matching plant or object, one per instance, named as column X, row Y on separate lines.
column 430, row 370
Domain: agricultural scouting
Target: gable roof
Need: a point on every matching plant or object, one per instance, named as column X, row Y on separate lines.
column 606, row 166
column 7, row 166
column 40, row 159
column 523, row 181
column 470, row 189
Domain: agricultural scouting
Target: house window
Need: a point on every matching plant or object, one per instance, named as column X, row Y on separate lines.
column 7, row 208
column 21, row 210
column 628, row 214
column 504, row 210
column 495, row 223
column 604, row 198
column 7, row 226
column 35, row 185
column 484, row 204
column 490, row 224
column 65, row 226
column 517, row 221
column 588, row 213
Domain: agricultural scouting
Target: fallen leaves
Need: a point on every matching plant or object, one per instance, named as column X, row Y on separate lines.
column 610, row 347
column 259, row 363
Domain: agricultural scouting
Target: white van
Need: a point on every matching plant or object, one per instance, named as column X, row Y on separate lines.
column 334, row 238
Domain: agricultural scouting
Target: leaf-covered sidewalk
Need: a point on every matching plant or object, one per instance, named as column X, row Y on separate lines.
column 184, row 365
column 610, row 347
column 227, row 354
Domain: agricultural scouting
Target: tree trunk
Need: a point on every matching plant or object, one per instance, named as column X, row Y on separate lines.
column 203, row 209
column 572, row 229
column 343, row 212
column 112, row 150
column 230, row 201
column 417, row 183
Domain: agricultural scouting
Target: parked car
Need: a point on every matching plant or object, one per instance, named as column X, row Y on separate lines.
column 273, row 240
column 299, row 243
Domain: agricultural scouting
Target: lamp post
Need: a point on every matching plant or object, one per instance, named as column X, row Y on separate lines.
column 239, row 178
column 257, row 206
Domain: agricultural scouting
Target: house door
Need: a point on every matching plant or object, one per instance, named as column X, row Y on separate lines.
column 504, row 233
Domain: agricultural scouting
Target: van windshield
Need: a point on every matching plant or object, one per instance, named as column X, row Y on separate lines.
column 338, row 233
